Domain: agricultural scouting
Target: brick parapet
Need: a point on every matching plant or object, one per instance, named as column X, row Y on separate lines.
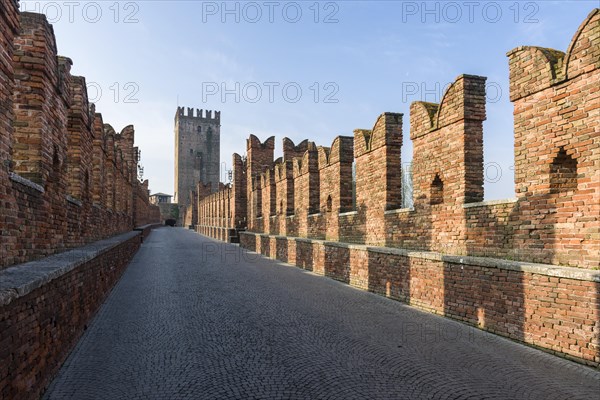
column 335, row 183
column 259, row 157
column 62, row 170
column 9, row 28
column 525, row 268
column 553, row 219
column 509, row 298
column 291, row 150
column 557, row 152
column 447, row 175
column 226, row 208
column 39, row 325
column 306, row 187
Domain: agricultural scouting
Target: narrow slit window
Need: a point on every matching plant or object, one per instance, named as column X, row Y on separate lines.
column 563, row 173
column 437, row 190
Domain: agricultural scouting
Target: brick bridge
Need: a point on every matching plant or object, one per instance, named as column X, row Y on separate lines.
column 524, row 268
column 72, row 209
column 191, row 317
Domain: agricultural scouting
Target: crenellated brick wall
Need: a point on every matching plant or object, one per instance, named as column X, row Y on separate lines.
column 556, row 98
column 9, row 27
column 260, row 157
column 335, row 183
column 67, row 181
column 553, row 219
column 267, row 190
column 306, row 189
column 378, row 178
column 223, row 214
column 66, row 177
column 524, row 267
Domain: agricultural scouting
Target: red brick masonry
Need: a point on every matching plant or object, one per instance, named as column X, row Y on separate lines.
column 46, row 305
column 525, row 267
column 554, row 308
column 67, row 178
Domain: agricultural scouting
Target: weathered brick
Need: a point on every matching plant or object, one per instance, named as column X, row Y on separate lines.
column 67, row 178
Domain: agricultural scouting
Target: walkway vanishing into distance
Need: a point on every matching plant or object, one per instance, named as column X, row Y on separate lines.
column 192, row 318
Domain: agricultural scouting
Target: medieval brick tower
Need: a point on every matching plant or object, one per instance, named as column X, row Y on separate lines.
column 197, row 151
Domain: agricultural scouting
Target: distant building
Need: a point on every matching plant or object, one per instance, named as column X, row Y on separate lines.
column 160, row 198
column 197, row 151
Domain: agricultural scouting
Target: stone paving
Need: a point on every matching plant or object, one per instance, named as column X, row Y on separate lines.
column 197, row 319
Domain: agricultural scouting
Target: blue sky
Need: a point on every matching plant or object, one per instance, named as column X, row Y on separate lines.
column 351, row 60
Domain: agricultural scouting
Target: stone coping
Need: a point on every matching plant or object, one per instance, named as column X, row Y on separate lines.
column 281, row 237
column 21, row 279
column 75, row 201
column 490, row 203
column 399, row 211
column 142, row 227
column 521, row 266
column 25, row 182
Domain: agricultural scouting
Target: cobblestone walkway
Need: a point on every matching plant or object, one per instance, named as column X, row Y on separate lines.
column 196, row 319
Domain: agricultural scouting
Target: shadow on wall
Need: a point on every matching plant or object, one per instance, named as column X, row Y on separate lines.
column 352, row 226
column 281, row 249
column 389, row 275
column 304, row 254
column 265, row 245
column 337, row 262
column 491, row 301
column 547, row 230
column 403, row 278
column 553, row 220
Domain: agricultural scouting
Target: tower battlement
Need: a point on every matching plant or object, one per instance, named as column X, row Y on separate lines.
column 188, row 112
column 197, row 151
